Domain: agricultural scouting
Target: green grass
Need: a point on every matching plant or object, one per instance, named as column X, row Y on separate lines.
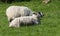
column 50, row 23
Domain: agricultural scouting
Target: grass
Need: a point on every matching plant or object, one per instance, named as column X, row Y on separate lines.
column 50, row 23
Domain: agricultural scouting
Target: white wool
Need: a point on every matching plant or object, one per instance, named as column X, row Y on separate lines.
column 17, row 11
column 14, row 23
column 24, row 19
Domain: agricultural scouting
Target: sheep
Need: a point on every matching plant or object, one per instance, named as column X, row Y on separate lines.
column 26, row 20
column 13, row 12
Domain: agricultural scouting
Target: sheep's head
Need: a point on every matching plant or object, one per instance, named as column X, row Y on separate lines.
column 40, row 14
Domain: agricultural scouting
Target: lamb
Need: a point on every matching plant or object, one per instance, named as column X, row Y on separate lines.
column 26, row 20
column 13, row 12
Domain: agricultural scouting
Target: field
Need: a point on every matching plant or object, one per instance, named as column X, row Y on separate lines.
column 50, row 23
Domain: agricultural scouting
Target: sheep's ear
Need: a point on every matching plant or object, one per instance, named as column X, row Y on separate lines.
column 35, row 13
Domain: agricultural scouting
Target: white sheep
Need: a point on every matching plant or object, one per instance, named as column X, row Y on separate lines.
column 13, row 12
column 25, row 20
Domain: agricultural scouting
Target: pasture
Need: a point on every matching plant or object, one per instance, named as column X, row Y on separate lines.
column 49, row 26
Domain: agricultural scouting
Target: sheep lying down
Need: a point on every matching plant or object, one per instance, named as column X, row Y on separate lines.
column 25, row 20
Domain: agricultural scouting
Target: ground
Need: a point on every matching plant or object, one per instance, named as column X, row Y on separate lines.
column 49, row 26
